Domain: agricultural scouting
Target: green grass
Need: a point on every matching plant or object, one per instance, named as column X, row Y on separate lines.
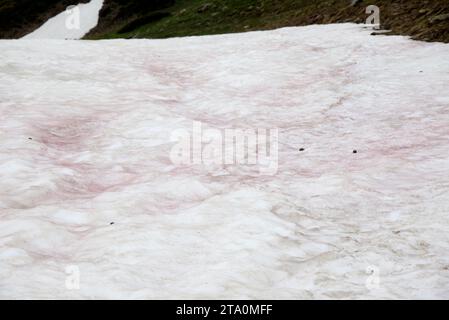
column 185, row 18
column 222, row 16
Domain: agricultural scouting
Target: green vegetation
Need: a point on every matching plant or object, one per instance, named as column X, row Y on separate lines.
column 203, row 17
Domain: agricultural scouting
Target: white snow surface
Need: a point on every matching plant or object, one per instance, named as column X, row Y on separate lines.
column 330, row 224
column 64, row 25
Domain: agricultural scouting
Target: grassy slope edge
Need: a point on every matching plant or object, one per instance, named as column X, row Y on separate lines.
column 426, row 20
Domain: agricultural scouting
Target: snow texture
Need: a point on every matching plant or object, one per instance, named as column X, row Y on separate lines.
column 74, row 23
column 87, row 182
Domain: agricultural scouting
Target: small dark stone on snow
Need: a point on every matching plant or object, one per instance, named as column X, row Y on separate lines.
column 354, row 151
column 301, row 149
column 30, row 138
column 112, row 223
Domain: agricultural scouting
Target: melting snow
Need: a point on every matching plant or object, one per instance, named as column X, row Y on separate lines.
column 87, row 183
column 74, row 23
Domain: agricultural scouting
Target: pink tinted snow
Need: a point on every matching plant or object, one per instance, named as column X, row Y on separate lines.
column 100, row 152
